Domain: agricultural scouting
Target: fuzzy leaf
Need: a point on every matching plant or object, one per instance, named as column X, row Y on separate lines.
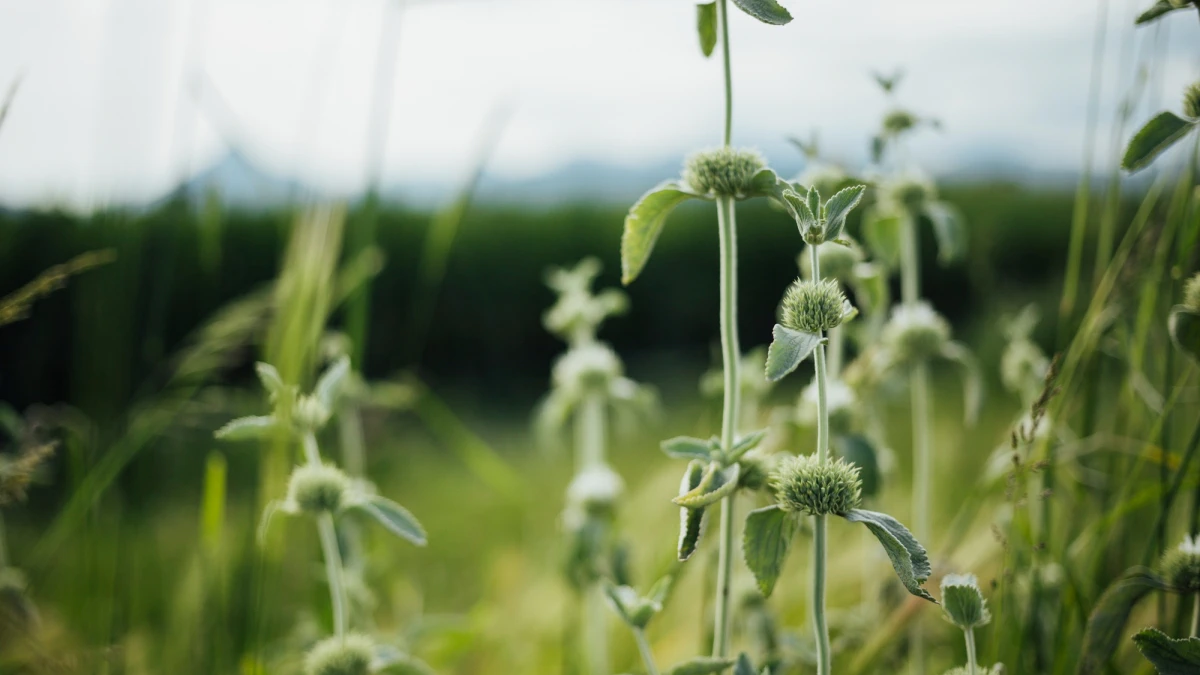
column 1160, row 133
column 701, row 665
column 247, row 428
column 644, row 223
column 767, row 183
column 1169, row 656
column 907, row 555
column 797, row 205
column 813, row 198
column 1184, row 326
column 838, row 207
column 717, row 483
column 765, row 543
column 333, row 380
column 1106, row 624
column 788, row 348
column 882, row 232
column 271, row 380
column 859, row 450
column 1156, row 10
column 972, row 377
column 766, row 11
column 686, row 447
column 691, row 521
column 706, row 26
column 395, row 518
column 746, row 443
column 950, row 230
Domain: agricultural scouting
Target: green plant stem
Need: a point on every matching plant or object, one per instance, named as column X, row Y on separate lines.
column 820, row 543
column 644, row 647
column 3, row 545
column 1196, row 615
column 590, row 432
column 333, row 571
column 731, row 357
column 312, row 455
column 723, row 19
column 970, row 636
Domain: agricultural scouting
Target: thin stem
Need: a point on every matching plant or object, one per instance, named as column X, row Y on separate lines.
column 723, row 19
column 970, row 635
column 333, row 571
column 837, row 350
column 644, row 647
column 590, row 431
column 910, row 261
column 311, row 454
column 731, row 357
column 818, row 590
column 1196, row 616
column 3, row 545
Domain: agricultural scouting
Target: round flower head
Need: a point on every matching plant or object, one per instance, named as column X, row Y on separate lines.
column 317, row 488
column 806, row 485
column 837, row 261
column 310, row 413
column 595, row 488
column 1181, row 565
column 915, row 332
column 591, row 366
column 962, row 601
column 1191, row 293
column 1191, row 101
column 347, row 655
column 813, row 306
column 912, row 191
column 726, row 172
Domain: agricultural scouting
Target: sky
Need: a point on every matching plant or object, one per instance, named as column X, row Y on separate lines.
column 120, row 100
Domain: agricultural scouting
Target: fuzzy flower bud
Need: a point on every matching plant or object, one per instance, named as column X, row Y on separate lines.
column 587, row 367
column 806, row 485
column 915, row 332
column 1191, row 293
column 347, row 655
column 1181, row 565
column 837, row 261
column 1191, row 101
column 309, row 413
column 314, row 489
column 724, row 172
column 963, row 602
column 813, row 306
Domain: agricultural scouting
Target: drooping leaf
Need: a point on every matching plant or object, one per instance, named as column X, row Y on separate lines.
column 908, row 557
column 950, row 230
column 247, row 428
column 766, row 11
column 329, row 388
column 717, row 483
column 972, row 377
column 691, row 521
column 858, row 450
column 644, row 223
column 706, row 26
column 1106, row 624
column 701, row 665
column 788, row 348
column 1156, row 10
column 746, row 443
column 765, row 543
column 838, row 207
column 1184, row 326
column 1169, row 656
column 686, row 447
column 882, row 233
column 1157, row 135
column 395, row 518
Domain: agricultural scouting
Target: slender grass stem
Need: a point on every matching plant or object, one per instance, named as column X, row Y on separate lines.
column 970, row 636
column 333, row 571
column 1196, row 616
column 820, row 536
column 731, row 357
column 644, row 648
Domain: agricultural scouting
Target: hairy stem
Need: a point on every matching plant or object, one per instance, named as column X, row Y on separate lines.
column 722, row 18
column 820, row 543
column 731, row 357
column 590, row 431
column 312, row 455
column 333, row 571
column 644, row 647
column 970, row 635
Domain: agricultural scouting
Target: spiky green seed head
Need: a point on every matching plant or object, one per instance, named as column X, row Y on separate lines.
column 912, row 191
column 1181, row 565
column 587, row 368
column 915, row 332
column 347, row 655
column 813, row 306
column 963, row 602
column 808, row 485
column 727, row 172
column 836, row 260
column 1191, row 293
column 309, row 413
column 315, row 489
column 1191, row 101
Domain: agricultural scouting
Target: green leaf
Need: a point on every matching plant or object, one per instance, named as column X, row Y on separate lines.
column 972, row 377
column 882, row 232
column 1159, row 134
column 1156, row 10
column 333, row 380
column 701, row 665
column 717, row 483
column 743, row 665
column 686, row 447
column 247, row 428
column 767, row 183
column 1106, row 625
column 788, row 348
column 813, row 199
column 838, row 207
column 691, row 521
column 706, row 26
column 644, row 223
column 631, row 607
column 765, row 543
column 271, row 380
column 388, row 659
column 1184, row 326
column 797, row 206
column 907, row 555
column 950, row 230
column 746, row 444
column 766, row 11
column 661, row 590
column 858, row 450
column 1169, row 656
column 395, row 518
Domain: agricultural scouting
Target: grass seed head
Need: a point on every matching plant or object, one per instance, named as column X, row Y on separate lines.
column 1181, row 565
column 813, row 306
column 724, row 172
column 807, row 485
column 963, row 602
column 915, row 332
column 1191, row 293
column 317, row 488
column 347, row 655
column 1191, row 101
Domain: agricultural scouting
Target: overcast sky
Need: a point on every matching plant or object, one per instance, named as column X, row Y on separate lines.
column 120, row 98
